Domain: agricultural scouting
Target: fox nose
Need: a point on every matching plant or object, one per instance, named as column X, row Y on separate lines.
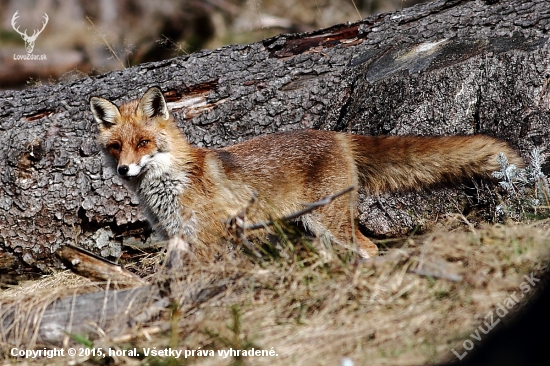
column 123, row 170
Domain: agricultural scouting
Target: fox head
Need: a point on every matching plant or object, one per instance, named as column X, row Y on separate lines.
column 136, row 136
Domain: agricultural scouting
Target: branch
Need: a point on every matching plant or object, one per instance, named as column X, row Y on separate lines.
column 309, row 207
column 236, row 224
column 96, row 268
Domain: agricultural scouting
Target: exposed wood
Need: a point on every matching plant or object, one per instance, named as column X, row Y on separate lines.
column 109, row 311
column 95, row 268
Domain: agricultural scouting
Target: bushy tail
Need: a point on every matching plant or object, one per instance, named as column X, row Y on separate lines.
column 401, row 163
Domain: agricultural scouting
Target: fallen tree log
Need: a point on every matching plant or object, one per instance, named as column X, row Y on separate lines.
column 447, row 67
column 84, row 315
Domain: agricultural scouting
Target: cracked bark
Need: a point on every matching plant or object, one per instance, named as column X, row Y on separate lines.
column 443, row 68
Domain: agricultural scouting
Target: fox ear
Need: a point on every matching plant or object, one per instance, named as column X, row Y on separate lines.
column 105, row 113
column 152, row 104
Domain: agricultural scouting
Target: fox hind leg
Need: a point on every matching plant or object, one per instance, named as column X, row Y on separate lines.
column 364, row 245
column 335, row 222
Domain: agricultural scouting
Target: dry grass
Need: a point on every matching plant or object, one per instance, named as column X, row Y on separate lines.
column 410, row 306
column 49, row 284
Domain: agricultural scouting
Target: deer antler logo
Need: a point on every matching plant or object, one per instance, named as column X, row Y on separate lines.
column 29, row 41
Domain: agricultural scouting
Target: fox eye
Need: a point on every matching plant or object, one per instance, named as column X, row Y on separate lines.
column 142, row 143
column 114, row 146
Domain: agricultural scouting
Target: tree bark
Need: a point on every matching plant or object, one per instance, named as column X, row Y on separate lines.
column 443, row 68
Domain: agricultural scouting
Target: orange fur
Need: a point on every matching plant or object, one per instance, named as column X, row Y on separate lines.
column 201, row 188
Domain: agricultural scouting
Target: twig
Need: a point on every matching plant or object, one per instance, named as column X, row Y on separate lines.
column 357, row 10
column 438, row 274
column 236, row 224
column 438, row 268
column 104, row 39
column 91, row 266
column 309, row 207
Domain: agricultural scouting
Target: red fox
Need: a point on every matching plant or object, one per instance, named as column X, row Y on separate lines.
column 191, row 191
